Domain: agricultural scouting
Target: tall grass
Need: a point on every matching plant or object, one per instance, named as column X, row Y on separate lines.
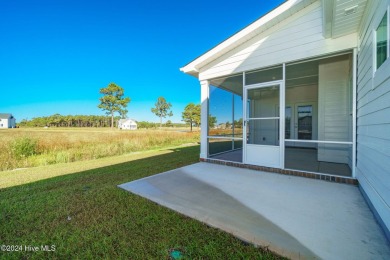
column 20, row 148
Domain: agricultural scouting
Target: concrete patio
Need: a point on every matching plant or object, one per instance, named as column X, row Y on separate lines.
column 295, row 217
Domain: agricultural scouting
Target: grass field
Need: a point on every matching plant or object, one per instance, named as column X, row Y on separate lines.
column 21, row 148
column 77, row 208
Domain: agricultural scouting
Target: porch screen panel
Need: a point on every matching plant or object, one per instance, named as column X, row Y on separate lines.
column 219, row 145
column 300, row 157
column 264, row 75
column 237, row 116
column 220, row 112
column 225, row 121
column 263, row 132
column 263, row 116
column 318, row 116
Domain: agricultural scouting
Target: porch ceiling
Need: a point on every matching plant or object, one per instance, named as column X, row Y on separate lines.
column 305, row 73
column 232, row 84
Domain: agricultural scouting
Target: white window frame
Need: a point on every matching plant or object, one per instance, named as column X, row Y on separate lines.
column 375, row 69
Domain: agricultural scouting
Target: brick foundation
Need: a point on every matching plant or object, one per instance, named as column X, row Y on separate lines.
column 319, row 176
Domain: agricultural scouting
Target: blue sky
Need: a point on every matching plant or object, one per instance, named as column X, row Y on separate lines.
column 56, row 55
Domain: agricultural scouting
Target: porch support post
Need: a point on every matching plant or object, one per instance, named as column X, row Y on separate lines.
column 354, row 76
column 282, row 115
column 204, row 96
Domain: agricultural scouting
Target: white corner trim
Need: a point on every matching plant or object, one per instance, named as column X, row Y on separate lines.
column 204, row 94
column 327, row 17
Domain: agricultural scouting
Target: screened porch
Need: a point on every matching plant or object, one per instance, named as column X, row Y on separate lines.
column 316, row 131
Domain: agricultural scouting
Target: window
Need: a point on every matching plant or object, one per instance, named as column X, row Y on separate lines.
column 382, row 42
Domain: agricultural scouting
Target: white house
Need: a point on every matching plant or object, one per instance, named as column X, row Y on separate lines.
column 127, row 124
column 311, row 81
column 7, row 121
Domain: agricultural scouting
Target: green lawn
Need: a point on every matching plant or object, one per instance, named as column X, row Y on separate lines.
column 78, row 208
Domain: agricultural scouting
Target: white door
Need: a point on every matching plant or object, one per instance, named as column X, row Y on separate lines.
column 262, row 124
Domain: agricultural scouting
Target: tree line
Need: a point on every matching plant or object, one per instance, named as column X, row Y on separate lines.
column 58, row 120
column 113, row 102
column 190, row 117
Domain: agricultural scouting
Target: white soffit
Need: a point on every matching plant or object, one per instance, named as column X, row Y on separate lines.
column 267, row 21
column 342, row 17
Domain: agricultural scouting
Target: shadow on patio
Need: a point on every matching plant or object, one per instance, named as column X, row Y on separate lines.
column 294, row 217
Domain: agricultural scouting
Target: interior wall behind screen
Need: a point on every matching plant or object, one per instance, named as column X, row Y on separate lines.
column 334, row 109
column 301, row 95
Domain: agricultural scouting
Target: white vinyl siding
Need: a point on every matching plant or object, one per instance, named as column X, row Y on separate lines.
column 297, row 37
column 334, row 110
column 373, row 120
column 4, row 123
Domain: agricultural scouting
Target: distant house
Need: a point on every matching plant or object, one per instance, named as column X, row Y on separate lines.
column 7, row 121
column 127, row 124
column 221, row 126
